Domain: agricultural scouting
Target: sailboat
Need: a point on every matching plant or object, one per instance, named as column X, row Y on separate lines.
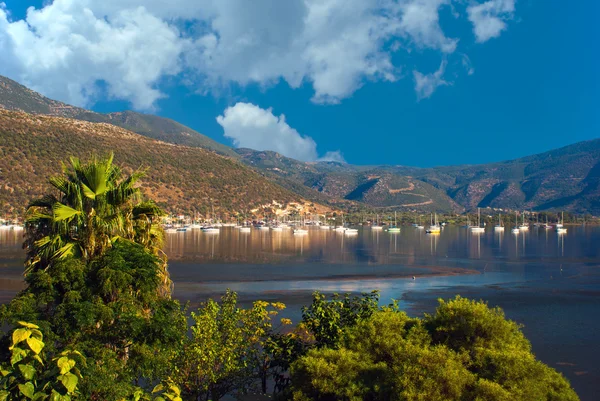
column 560, row 223
column 341, row 228
column 561, row 229
column 300, row 231
column 499, row 226
column 515, row 229
column 394, row 228
column 547, row 226
column 434, row 228
column 524, row 227
column 478, row 228
column 377, row 226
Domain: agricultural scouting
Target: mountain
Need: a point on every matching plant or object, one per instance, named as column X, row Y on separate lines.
column 180, row 178
column 374, row 186
column 16, row 97
column 562, row 179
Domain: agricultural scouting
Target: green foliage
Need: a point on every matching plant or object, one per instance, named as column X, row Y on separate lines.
column 165, row 391
column 226, row 352
column 111, row 310
column 96, row 207
column 326, row 319
column 466, row 351
column 26, row 377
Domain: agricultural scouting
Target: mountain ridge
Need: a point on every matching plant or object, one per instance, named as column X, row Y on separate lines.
column 566, row 178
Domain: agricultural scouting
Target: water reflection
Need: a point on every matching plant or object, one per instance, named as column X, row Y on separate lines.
column 380, row 248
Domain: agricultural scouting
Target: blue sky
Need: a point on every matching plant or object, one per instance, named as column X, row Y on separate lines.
column 348, row 86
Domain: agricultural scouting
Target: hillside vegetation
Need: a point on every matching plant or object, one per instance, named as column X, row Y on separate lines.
column 14, row 96
column 180, row 178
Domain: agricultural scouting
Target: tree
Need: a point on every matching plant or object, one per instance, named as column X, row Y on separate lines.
column 96, row 206
column 226, row 352
column 110, row 310
column 466, row 351
column 326, row 319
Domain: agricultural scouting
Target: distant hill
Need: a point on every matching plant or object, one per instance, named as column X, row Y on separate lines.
column 16, row 97
column 181, row 178
column 563, row 179
column 374, row 186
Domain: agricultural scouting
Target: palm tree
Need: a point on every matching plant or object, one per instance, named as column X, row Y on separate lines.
column 96, row 206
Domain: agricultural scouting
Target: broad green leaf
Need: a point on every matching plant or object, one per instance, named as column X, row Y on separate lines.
column 4, row 395
column 17, row 355
column 88, row 192
column 65, row 364
column 20, row 335
column 27, row 389
column 159, row 387
column 27, row 371
column 28, row 325
column 69, row 380
column 4, row 372
column 37, row 334
column 64, row 212
column 175, row 389
column 35, row 344
column 39, row 396
column 37, row 358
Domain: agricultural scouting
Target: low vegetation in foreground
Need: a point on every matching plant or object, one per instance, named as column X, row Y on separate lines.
column 97, row 322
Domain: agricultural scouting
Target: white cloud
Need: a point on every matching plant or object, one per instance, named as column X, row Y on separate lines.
column 489, row 18
column 426, row 84
column 73, row 49
column 335, row 156
column 250, row 126
column 64, row 51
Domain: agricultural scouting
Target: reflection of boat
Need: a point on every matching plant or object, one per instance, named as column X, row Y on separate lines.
column 324, row 227
column 351, row 231
column 181, row 229
column 170, row 230
column 300, row 231
column 245, row 229
column 210, row 230
column 276, row 228
column 561, row 230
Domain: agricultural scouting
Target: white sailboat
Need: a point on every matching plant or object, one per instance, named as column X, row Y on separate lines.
column 394, row 228
column 561, row 229
column 377, row 226
column 478, row 229
column 341, row 228
column 499, row 226
column 562, row 220
column 515, row 229
column 524, row 227
column 434, row 228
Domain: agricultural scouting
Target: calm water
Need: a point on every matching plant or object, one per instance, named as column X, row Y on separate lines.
column 549, row 283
